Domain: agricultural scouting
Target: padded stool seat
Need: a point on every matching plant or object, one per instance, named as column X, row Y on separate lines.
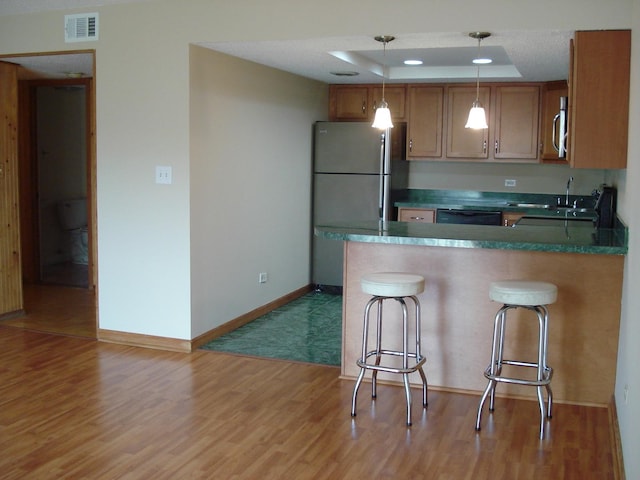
column 523, row 292
column 392, row 284
column 533, row 296
column 398, row 287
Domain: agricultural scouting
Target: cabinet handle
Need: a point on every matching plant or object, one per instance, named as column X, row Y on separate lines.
column 375, row 106
column 496, row 146
column 411, row 144
column 416, row 218
column 364, row 107
column 484, row 147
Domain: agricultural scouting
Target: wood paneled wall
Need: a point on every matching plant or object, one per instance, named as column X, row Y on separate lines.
column 10, row 267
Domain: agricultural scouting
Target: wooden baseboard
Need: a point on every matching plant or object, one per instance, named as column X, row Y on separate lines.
column 188, row 346
column 616, row 442
column 13, row 314
column 247, row 317
column 147, row 341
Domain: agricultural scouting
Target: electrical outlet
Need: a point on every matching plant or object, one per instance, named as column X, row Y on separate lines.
column 163, row 175
column 626, row 394
column 510, row 182
column 263, row 277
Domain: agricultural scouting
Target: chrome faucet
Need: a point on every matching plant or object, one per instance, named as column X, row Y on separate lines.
column 566, row 200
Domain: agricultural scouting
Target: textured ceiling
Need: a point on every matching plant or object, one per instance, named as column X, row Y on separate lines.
column 517, row 55
column 77, row 65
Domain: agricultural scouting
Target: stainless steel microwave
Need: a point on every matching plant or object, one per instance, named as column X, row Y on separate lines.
column 559, row 132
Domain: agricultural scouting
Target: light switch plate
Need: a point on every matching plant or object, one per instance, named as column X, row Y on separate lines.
column 163, row 175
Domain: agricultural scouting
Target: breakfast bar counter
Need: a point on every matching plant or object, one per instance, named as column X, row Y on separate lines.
column 459, row 262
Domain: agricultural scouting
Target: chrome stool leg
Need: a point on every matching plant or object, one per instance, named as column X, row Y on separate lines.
column 378, row 352
column 363, row 357
column 543, row 372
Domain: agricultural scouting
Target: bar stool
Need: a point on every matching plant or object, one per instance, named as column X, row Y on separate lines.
column 398, row 287
column 530, row 295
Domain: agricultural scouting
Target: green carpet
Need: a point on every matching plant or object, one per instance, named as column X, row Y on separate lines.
column 308, row 329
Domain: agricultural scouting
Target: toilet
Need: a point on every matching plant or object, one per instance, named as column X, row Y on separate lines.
column 72, row 214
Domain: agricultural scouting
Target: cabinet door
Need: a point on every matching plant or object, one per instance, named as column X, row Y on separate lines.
column 348, row 102
column 424, row 135
column 394, row 95
column 420, row 215
column 599, row 99
column 516, row 122
column 466, row 142
column 551, row 94
column 509, row 218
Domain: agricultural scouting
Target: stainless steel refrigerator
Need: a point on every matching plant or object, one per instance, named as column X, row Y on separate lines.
column 357, row 175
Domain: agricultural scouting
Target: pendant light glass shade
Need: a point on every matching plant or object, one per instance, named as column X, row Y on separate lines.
column 477, row 117
column 382, row 119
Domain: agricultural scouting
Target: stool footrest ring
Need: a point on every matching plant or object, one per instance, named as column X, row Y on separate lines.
column 546, row 380
column 370, row 366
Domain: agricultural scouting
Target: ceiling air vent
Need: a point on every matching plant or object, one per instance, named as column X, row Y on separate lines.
column 81, row 28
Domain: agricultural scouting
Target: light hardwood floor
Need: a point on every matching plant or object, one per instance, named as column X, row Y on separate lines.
column 57, row 309
column 76, row 408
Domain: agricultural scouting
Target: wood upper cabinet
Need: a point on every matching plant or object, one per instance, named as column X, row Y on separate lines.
column 348, row 102
column 515, row 121
column 550, row 106
column 465, row 142
column 424, row 130
column 599, row 99
column 513, row 118
column 394, row 95
column 359, row 102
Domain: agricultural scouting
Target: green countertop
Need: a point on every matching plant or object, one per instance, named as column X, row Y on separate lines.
column 472, row 198
column 570, row 236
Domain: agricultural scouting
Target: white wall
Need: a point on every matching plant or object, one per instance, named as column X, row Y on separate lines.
column 628, row 374
column 490, row 177
column 143, row 120
column 251, row 140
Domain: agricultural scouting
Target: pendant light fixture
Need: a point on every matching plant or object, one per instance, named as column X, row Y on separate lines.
column 382, row 120
column 477, row 117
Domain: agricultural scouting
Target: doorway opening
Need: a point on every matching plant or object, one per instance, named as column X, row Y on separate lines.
column 60, row 158
column 57, row 165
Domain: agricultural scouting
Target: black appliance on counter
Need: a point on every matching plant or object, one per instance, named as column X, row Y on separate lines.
column 469, row 217
column 606, row 207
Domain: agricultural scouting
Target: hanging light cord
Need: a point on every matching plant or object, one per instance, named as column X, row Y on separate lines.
column 384, row 39
column 384, row 54
column 477, row 74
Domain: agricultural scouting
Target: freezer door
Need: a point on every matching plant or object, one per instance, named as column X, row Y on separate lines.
column 347, row 147
column 340, row 198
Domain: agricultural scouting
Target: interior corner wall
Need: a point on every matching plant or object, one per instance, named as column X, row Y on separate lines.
column 627, row 388
column 251, row 145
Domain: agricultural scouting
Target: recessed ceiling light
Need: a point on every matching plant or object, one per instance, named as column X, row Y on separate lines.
column 345, row 74
column 482, row 61
column 413, row 62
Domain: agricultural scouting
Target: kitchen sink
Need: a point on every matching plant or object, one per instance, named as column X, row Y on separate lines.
column 530, row 205
column 572, row 209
